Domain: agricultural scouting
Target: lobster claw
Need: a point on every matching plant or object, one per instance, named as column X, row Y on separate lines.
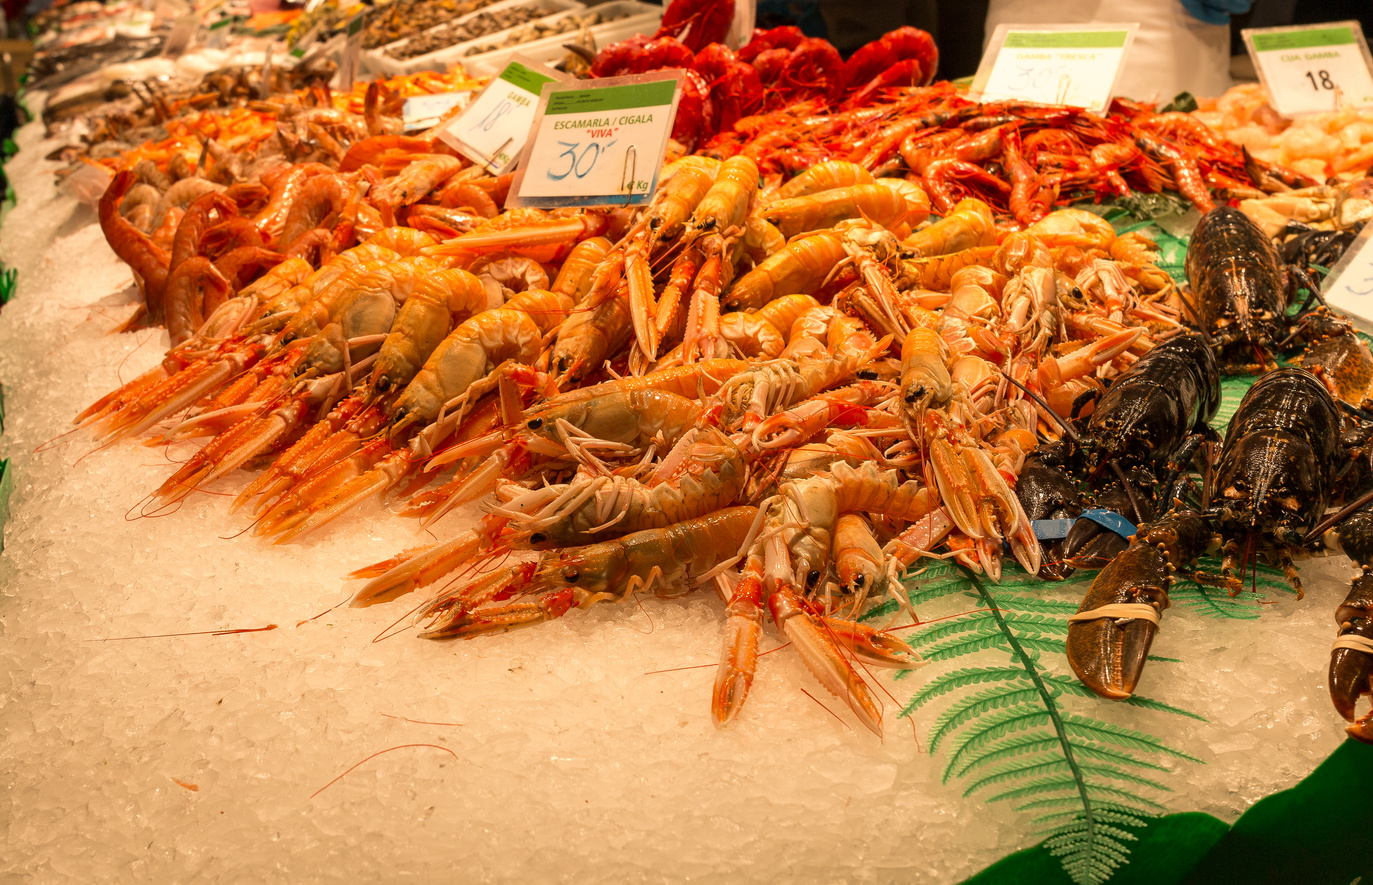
column 1108, row 652
column 1351, row 659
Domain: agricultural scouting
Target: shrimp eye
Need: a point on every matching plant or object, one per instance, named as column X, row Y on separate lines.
column 383, row 384
column 538, row 537
column 813, row 578
column 571, row 575
column 535, row 424
column 868, row 375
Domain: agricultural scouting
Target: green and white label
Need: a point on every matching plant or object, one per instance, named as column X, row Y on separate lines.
column 494, row 127
column 1349, row 288
column 352, row 51
column 599, row 144
column 1312, row 68
column 1054, row 65
column 423, row 111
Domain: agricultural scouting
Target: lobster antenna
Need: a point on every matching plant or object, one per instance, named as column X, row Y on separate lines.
column 1067, row 428
column 1337, row 517
column 1129, row 491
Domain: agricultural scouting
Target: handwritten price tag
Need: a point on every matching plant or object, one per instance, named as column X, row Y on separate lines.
column 424, row 111
column 494, row 127
column 1054, row 64
column 599, row 143
column 1313, row 68
column 1349, row 288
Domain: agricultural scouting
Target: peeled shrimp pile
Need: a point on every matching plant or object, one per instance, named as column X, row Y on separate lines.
column 1317, row 145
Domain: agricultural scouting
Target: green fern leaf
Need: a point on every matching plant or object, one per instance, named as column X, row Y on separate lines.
column 1007, row 722
column 1077, row 688
column 1213, row 602
column 1036, row 604
column 1121, row 736
column 978, row 621
column 1144, row 805
column 1123, row 775
column 1038, row 788
column 1037, row 623
column 935, row 582
column 1053, row 802
column 956, row 679
column 1077, row 777
column 964, row 646
column 1053, row 646
column 1017, row 745
column 982, row 702
column 1030, row 767
column 1091, row 750
column 1078, row 825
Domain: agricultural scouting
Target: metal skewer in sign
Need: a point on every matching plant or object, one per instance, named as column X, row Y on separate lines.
column 1075, row 65
column 599, row 143
column 492, row 129
column 1312, row 68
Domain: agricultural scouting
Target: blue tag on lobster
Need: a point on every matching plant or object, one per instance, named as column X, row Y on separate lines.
column 1109, row 519
column 1057, row 529
column 1052, row 529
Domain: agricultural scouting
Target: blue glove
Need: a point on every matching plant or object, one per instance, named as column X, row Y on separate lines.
column 1215, row 12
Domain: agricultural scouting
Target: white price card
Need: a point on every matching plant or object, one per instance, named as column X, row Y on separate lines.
column 1070, row 65
column 493, row 129
column 352, row 52
column 1312, row 68
column 598, row 143
column 179, row 38
column 1349, row 287
column 424, row 111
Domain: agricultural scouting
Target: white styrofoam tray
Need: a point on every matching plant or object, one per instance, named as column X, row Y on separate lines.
column 642, row 18
column 377, row 61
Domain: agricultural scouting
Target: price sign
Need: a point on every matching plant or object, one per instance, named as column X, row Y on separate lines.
column 494, row 127
column 179, row 38
column 1349, row 288
column 1054, row 64
column 598, row 145
column 352, row 51
column 1312, row 68
column 424, row 111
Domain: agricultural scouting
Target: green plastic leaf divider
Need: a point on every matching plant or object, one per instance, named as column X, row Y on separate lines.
column 9, row 282
column 1011, row 733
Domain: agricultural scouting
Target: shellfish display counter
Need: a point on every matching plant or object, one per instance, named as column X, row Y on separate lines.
column 915, row 489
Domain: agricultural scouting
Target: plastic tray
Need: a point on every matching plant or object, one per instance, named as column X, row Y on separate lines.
column 642, row 18
column 377, row 62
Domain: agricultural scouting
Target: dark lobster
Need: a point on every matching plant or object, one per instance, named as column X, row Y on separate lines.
column 1144, row 427
column 1273, row 483
column 1240, row 289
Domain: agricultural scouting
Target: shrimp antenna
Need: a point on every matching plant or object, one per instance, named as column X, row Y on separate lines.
column 1067, row 428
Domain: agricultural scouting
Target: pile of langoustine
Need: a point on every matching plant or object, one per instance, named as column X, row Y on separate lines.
column 576, row 372
column 748, row 380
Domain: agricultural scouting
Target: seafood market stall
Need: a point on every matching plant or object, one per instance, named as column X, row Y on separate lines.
column 857, row 505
